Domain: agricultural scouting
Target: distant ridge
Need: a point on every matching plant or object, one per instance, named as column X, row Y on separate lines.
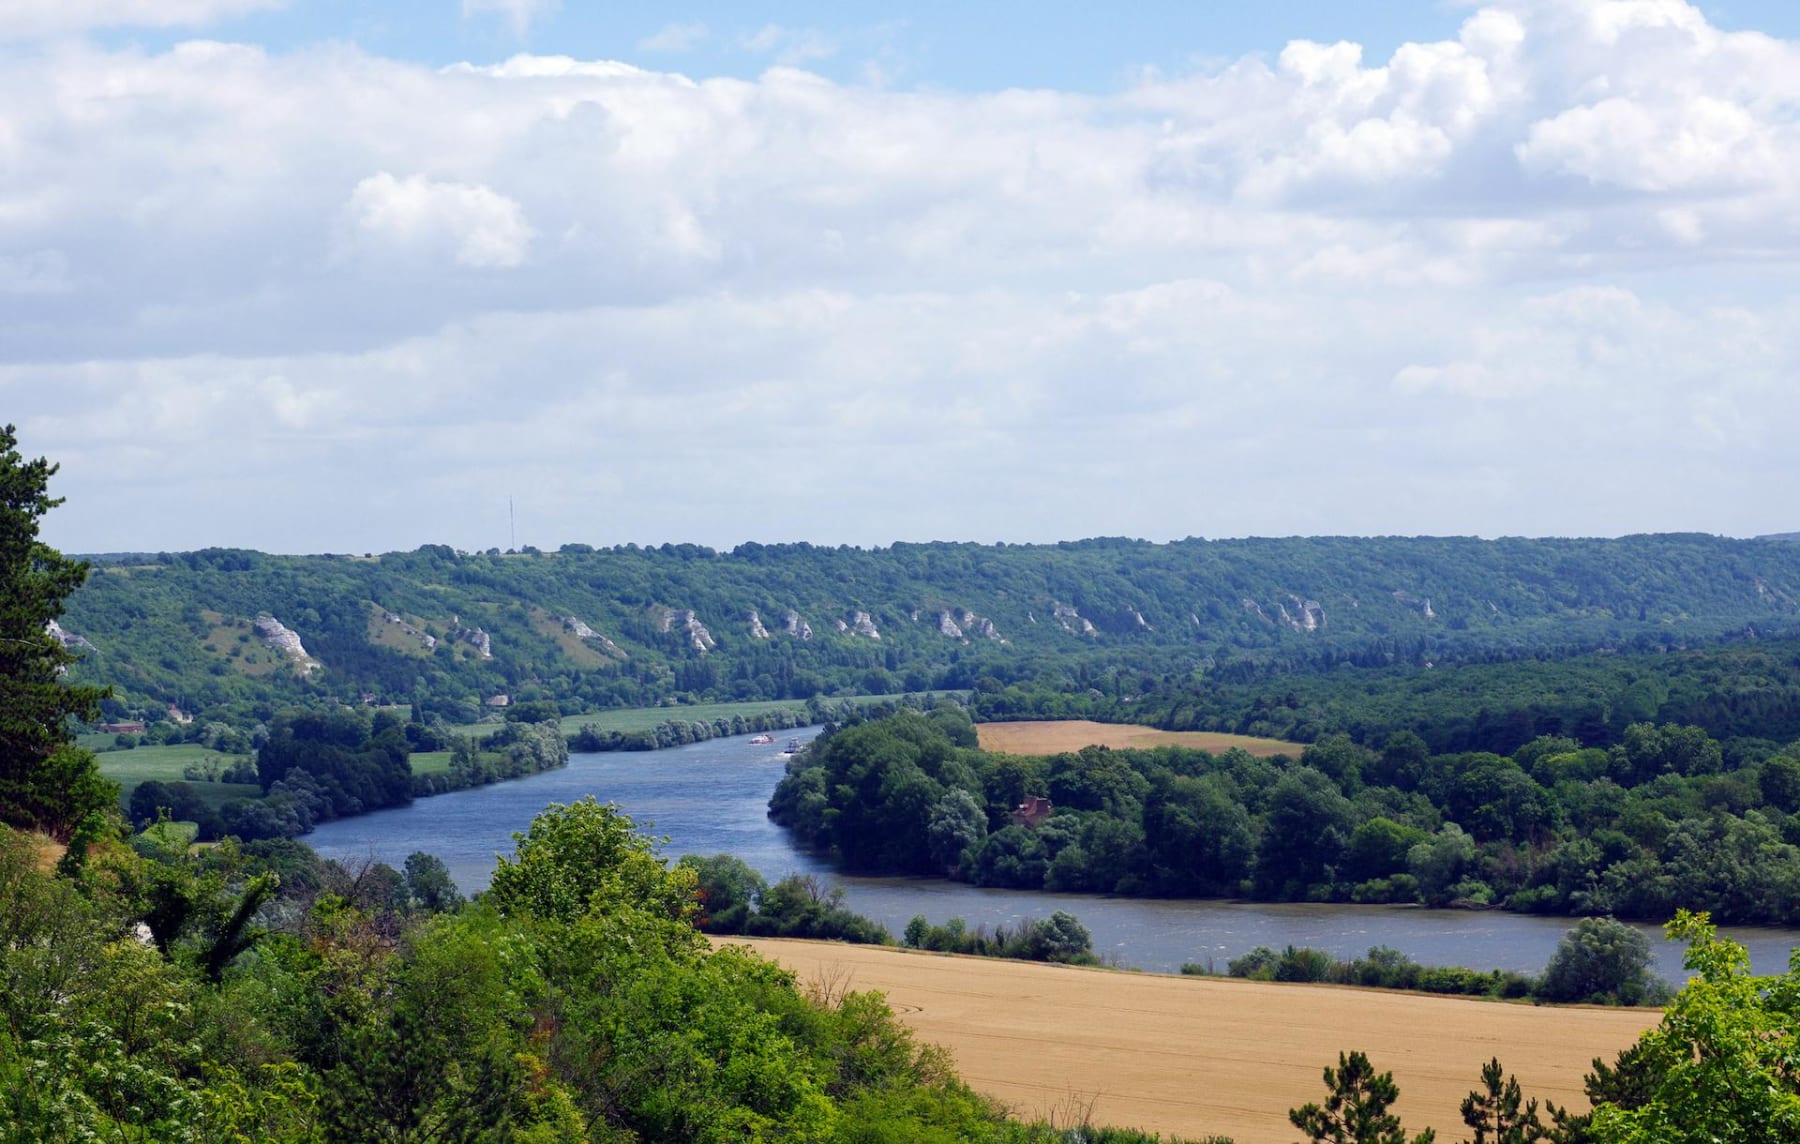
column 584, row 627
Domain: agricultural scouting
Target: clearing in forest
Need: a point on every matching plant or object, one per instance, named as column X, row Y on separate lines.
column 1199, row 1055
column 1050, row 737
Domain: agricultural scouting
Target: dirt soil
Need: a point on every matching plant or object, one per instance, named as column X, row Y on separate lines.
column 1194, row 1056
column 1049, row 737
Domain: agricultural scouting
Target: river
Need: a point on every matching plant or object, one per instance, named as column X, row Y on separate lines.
column 712, row 797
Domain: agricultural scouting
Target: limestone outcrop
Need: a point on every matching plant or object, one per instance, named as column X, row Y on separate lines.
column 793, row 625
column 863, row 625
column 426, row 639
column 280, row 638
column 757, row 631
column 474, row 637
column 1072, row 621
column 581, row 631
column 670, row 619
column 69, row 640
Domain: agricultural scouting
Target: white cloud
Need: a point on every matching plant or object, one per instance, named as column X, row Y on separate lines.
column 1699, row 142
column 791, row 46
column 24, row 19
column 1531, row 278
column 674, row 38
column 518, row 14
column 480, row 228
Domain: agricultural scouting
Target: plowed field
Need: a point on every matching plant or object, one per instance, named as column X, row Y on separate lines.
column 1205, row 1055
column 1049, row 737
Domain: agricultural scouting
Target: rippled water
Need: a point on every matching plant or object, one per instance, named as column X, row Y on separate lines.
column 712, row 797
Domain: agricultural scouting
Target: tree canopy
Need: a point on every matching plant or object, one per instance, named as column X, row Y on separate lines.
column 45, row 782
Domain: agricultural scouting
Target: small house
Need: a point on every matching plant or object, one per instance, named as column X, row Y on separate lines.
column 1032, row 812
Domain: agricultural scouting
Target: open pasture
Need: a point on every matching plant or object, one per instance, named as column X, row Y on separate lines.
column 1050, row 737
column 1194, row 1056
column 165, row 764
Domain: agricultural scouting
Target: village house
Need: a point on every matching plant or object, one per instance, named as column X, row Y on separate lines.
column 1032, row 812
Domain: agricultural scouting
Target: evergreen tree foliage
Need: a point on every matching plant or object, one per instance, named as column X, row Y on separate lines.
column 46, row 783
column 1358, row 1109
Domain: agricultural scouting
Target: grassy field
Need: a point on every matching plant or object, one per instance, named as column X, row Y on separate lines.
column 165, row 764
column 1195, row 1056
column 1050, row 737
column 430, row 762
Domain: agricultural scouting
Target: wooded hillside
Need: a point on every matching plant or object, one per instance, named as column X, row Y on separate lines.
column 584, row 628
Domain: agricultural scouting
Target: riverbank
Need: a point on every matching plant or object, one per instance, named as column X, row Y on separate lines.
column 1207, row 1055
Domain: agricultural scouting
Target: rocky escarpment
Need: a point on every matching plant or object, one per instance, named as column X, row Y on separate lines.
column 863, row 625
column 757, row 631
column 69, row 640
column 793, row 625
column 669, row 619
column 474, row 637
column 1424, row 605
column 1072, row 621
column 280, row 638
column 575, row 627
column 1308, row 615
column 965, row 624
column 426, row 639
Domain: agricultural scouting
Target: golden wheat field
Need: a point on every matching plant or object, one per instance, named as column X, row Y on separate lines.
column 1207, row 1055
column 1048, row 737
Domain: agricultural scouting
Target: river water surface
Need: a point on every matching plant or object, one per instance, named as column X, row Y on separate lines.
column 712, row 797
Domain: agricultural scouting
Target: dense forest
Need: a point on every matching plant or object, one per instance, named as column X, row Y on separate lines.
column 231, row 635
column 1741, row 689
column 1667, row 819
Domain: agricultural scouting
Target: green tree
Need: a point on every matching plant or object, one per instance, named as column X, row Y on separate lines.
column 46, row 783
column 1499, row 1113
column 957, row 829
column 1721, row 1065
column 1356, row 1112
column 429, row 885
column 728, row 890
column 1600, row 959
column 587, row 856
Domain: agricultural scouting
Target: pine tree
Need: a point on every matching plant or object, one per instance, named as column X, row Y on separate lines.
column 46, row 782
column 1356, row 1112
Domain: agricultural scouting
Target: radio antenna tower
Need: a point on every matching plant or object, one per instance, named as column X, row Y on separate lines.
column 512, row 525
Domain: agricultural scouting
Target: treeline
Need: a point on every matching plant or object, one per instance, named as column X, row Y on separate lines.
column 1599, row 962
column 584, row 629
column 680, row 732
column 735, row 899
column 1745, row 688
column 282, row 999
column 512, row 752
column 1666, row 819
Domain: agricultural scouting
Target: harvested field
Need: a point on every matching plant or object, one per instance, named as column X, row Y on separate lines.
column 1048, row 737
column 1208, row 1055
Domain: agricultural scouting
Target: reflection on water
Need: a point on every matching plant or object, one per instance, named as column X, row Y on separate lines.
column 711, row 798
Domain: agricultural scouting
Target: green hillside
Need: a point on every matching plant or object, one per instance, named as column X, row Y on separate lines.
column 584, row 629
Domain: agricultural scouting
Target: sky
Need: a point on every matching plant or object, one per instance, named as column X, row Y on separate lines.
column 335, row 276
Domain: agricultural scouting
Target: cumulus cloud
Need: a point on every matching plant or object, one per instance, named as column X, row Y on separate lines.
column 475, row 225
column 1525, row 279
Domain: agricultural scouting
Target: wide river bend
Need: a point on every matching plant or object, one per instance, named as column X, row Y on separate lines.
column 712, row 797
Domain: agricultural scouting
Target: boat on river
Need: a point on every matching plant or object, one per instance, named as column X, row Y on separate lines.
column 793, row 747
column 761, row 740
